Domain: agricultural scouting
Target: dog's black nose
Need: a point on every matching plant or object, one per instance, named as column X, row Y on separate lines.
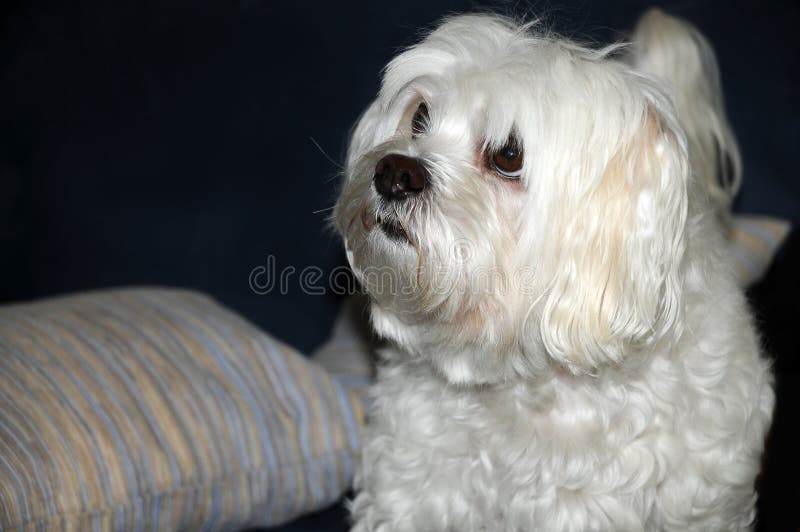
column 398, row 176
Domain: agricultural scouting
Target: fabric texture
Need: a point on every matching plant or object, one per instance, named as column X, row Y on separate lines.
column 153, row 409
column 755, row 240
column 347, row 353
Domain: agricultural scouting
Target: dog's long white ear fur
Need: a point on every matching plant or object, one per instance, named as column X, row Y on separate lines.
column 620, row 246
column 676, row 53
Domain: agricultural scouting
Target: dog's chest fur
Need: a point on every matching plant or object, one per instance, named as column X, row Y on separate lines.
column 566, row 453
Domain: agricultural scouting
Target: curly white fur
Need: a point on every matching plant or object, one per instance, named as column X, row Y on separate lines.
column 569, row 351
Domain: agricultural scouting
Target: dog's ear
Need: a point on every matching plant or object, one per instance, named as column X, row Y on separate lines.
column 675, row 52
column 619, row 247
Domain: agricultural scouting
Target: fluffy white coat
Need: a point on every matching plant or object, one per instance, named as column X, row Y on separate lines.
column 568, row 350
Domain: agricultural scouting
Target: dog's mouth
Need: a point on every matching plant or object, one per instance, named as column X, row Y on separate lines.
column 394, row 229
column 391, row 225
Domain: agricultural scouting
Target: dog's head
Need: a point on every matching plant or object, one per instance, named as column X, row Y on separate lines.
column 515, row 202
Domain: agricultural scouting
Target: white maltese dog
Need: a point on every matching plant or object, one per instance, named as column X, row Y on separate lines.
column 540, row 229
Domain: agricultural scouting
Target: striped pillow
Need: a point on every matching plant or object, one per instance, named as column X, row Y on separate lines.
column 152, row 409
column 754, row 242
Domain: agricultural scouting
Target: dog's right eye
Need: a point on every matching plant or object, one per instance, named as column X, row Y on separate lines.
column 419, row 124
column 507, row 161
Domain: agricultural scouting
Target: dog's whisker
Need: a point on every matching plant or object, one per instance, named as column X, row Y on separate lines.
column 328, row 157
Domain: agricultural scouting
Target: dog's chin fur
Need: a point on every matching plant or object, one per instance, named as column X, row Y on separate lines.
column 569, row 350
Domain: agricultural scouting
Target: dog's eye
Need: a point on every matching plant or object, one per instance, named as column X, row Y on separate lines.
column 419, row 124
column 508, row 159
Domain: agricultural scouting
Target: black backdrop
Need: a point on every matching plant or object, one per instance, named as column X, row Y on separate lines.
column 168, row 142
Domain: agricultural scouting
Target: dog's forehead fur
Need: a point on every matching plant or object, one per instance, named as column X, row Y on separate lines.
column 479, row 75
column 468, row 43
column 484, row 76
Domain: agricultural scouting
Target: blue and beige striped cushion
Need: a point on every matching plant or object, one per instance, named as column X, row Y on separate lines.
column 754, row 241
column 151, row 409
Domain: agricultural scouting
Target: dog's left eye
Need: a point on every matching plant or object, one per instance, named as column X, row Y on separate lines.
column 507, row 161
column 419, row 124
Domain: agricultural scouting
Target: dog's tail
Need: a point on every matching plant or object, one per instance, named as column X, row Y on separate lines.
column 674, row 51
